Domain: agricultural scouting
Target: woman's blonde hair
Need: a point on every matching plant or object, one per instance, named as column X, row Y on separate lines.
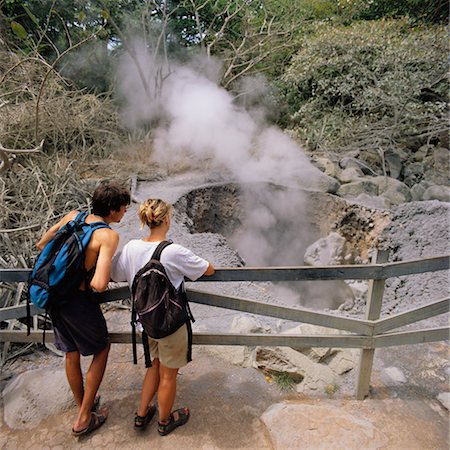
column 153, row 211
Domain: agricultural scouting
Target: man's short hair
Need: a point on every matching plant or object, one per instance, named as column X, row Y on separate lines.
column 109, row 196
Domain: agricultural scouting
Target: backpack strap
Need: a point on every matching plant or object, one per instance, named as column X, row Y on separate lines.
column 157, row 253
column 147, row 357
column 81, row 217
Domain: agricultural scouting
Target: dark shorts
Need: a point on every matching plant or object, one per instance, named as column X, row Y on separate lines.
column 79, row 325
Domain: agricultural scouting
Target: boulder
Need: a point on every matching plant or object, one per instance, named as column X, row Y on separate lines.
column 326, row 251
column 248, row 324
column 422, row 152
column 338, row 360
column 348, row 162
column 417, row 190
column 372, row 202
column 413, row 173
column 322, row 183
column 441, row 160
column 350, row 174
column 444, row 398
column 304, row 426
column 309, row 375
column 394, row 190
column 441, row 193
column 326, row 166
column 331, row 294
column 395, row 374
column 355, row 188
column 35, row 395
column 394, row 159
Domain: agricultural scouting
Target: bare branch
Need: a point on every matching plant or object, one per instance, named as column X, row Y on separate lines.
column 78, row 44
column 32, row 150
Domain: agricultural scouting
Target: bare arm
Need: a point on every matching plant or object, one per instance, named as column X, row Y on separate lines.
column 48, row 235
column 210, row 270
column 101, row 276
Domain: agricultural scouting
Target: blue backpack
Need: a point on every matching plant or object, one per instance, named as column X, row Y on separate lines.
column 59, row 269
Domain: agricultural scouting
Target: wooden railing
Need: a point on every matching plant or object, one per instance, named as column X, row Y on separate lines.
column 366, row 334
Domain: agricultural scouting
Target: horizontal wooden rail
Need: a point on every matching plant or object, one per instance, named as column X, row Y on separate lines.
column 17, row 312
column 397, row 269
column 234, row 303
column 412, row 337
column 412, row 316
column 301, row 273
column 252, row 340
column 270, row 340
column 280, row 312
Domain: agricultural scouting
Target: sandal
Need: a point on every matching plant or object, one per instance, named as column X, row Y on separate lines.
column 140, row 422
column 97, row 420
column 96, row 403
column 171, row 424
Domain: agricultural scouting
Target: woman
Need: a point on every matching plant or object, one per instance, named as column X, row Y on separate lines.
column 169, row 353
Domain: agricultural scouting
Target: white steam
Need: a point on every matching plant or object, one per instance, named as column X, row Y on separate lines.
column 192, row 117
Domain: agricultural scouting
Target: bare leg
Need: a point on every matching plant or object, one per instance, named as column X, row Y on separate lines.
column 75, row 376
column 149, row 387
column 94, row 377
column 166, row 391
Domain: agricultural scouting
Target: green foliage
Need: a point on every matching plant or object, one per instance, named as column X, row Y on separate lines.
column 344, row 78
column 331, row 389
column 424, row 10
column 18, row 30
column 53, row 26
column 285, row 380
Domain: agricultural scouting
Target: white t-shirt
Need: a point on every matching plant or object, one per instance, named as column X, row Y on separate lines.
column 178, row 261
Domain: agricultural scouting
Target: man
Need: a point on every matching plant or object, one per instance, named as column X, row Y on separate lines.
column 79, row 325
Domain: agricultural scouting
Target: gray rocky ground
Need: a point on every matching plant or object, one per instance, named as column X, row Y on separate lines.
column 235, row 405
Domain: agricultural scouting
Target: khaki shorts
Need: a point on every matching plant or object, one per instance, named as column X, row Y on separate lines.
column 171, row 350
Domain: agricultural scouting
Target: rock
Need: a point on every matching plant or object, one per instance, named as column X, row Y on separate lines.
column 422, row 152
column 444, row 398
column 247, row 324
column 394, row 159
column 358, row 287
column 441, row 160
column 418, row 190
column 413, row 173
column 350, row 174
column 322, row 183
column 349, row 162
column 34, row 396
column 372, row 160
column 370, row 201
column 343, row 361
column 309, row 375
column 317, row 354
column 441, row 193
column 327, row 166
column 395, row 374
column 331, row 293
column 238, row 355
column 360, row 186
column 394, row 190
column 303, row 426
column 326, row 251
column 338, row 360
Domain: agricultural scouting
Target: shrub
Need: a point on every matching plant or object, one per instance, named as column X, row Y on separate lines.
column 384, row 74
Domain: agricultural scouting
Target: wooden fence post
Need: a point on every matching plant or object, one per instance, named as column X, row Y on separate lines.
column 373, row 310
